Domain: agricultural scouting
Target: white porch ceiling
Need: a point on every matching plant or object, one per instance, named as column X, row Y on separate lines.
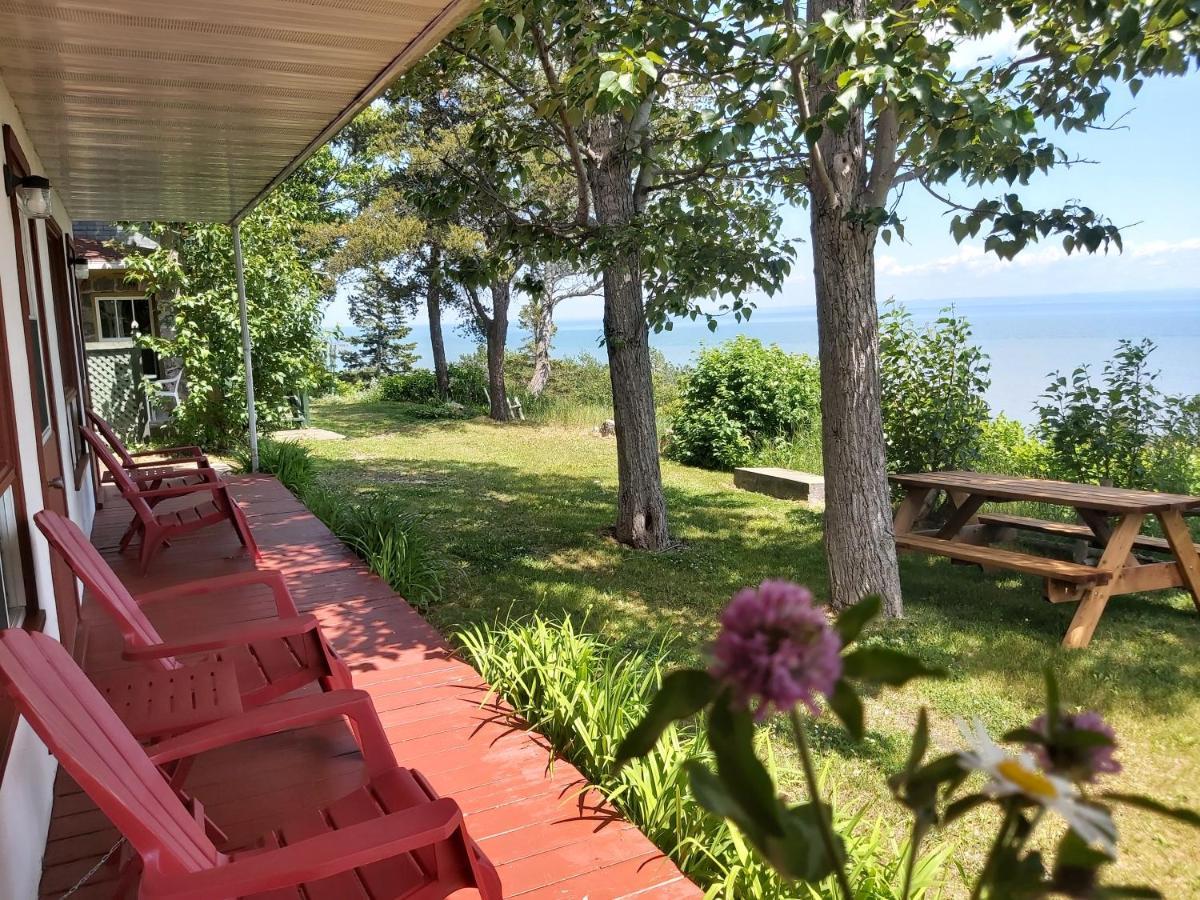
column 190, row 111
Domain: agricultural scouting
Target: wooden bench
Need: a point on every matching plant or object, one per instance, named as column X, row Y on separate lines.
column 1053, row 569
column 1067, row 530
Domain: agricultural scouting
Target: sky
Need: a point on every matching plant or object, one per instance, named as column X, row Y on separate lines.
column 1144, row 175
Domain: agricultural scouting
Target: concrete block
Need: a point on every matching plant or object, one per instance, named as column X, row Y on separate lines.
column 786, row 484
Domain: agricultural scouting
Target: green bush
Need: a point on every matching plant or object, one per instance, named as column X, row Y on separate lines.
column 584, row 695
column 1122, row 430
column 417, row 386
column 933, row 380
column 468, row 386
column 740, row 398
column 1006, row 447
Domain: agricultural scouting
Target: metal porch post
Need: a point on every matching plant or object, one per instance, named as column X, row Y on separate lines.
column 247, row 356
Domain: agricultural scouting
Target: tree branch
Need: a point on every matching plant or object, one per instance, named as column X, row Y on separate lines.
column 572, row 141
column 817, row 163
column 884, row 161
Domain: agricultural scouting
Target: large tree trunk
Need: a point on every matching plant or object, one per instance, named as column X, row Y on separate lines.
column 860, row 546
column 496, row 334
column 641, row 507
column 433, row 302
column 543, row 327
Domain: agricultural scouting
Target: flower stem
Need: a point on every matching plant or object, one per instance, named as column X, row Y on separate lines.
column 914, row 843
column 1010, row 816
column 824, row 820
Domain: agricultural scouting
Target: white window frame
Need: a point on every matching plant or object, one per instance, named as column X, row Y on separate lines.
column 130, row 298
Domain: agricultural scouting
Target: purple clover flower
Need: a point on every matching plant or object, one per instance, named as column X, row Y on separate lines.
column 1079, row 762
column 776, row 649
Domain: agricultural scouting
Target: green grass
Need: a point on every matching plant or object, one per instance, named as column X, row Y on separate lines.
column 523, row 510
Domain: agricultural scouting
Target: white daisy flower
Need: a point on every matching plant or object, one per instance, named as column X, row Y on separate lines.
column 1018, row 773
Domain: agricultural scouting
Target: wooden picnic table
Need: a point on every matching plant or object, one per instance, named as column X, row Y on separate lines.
column 1110, row 518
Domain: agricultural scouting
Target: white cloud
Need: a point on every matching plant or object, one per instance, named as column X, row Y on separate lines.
column 992, row 47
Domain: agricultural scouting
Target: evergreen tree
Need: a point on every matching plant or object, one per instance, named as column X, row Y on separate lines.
column 379, row 309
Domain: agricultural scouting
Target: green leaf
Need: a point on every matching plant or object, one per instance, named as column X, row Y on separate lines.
column 1178, row 813
column 961, row 807
column 853, row 619
column 801, row 854
column 847, row 706
column 683, row 693
column 887, row 666
column 731, row 736
column 920, row 743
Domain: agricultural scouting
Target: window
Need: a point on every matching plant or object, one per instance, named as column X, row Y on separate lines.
column 12, row 586
column 122, row 318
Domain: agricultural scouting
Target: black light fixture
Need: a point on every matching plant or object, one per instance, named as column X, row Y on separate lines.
column 32, row 192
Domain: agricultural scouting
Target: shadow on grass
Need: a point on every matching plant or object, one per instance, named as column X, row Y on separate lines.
column 376, row 419
column 532, row 541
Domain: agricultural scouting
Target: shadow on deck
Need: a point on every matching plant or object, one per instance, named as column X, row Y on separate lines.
column 547, row 832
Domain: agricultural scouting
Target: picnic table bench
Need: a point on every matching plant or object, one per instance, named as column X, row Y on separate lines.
column 1111, row 518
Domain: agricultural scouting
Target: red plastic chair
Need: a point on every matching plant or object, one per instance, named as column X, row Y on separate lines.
column 272, row 657
column 167, row 456
column 157, row 529
column 394, row 835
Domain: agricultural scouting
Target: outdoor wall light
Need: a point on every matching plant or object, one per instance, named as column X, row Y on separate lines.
column 32, row 192
column 79, row 266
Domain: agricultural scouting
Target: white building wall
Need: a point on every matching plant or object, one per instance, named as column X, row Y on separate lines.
column 26, row 785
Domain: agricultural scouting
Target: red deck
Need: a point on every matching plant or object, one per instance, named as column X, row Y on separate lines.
column 548, row 834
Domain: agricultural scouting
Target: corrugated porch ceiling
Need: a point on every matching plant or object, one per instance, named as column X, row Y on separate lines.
column 163, row 109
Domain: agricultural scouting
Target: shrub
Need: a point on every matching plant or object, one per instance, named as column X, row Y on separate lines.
column 417, row 386
column 1006, row 447
column 584, row 694
column 1105, row 432
column 468, row 384
column 933, row 380
column 741, row 397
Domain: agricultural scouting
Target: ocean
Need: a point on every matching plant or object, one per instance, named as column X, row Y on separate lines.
column 1026, row 338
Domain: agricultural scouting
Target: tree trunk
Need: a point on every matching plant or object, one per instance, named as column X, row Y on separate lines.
column 496, row 333
column 860, row 547
column 641, row 507
column 433, row 302
column 543, row 326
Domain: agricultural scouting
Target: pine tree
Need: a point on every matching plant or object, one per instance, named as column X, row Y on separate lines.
column 379, row 310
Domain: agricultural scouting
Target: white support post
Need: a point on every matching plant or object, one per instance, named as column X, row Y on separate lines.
column 247, row 356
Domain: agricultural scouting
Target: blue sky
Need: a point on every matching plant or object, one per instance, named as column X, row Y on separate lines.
column 1147, row 172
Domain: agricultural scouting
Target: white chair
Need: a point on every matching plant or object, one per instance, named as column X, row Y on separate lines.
column 162, row 397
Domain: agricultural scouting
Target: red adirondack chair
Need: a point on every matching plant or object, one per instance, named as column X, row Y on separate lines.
column 157, row 529
column 393, row 837
column 272, row 657
column 189, row 455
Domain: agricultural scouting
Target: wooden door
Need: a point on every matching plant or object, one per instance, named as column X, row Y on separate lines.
column 38, row 347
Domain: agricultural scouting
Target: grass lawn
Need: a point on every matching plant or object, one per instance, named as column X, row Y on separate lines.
column 522, row 510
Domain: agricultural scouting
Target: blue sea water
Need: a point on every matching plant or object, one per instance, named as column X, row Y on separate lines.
column 1026, row 337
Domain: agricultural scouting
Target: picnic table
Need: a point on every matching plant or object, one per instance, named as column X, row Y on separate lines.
column 1109, row 518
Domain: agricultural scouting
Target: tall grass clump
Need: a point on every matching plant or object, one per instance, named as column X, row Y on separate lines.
column 290, row 462
column 584, row 694
column 389, row 537
column 382, row 530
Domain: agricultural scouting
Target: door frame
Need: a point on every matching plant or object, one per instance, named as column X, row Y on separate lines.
column 62, row 580
column 12, row 475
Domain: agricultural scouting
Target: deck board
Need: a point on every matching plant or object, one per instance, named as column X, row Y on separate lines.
column 549, row 833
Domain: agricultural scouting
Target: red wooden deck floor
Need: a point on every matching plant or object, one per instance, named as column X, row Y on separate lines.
column 549, row 835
